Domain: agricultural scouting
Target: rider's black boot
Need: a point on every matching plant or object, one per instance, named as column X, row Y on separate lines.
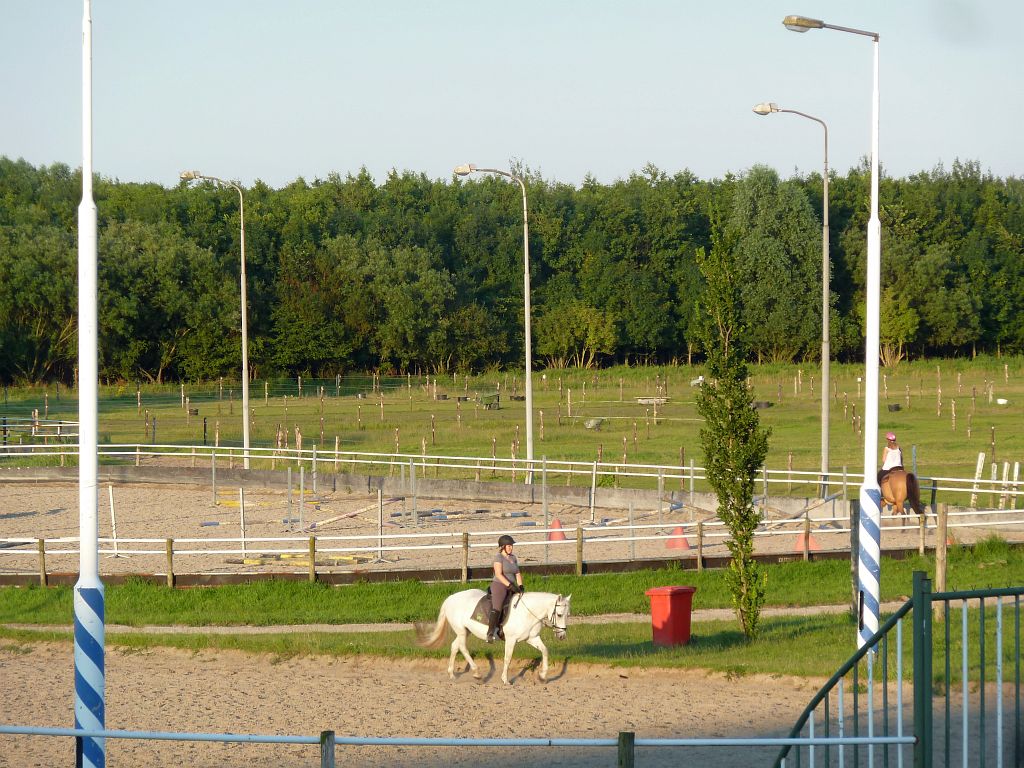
column 492, row 624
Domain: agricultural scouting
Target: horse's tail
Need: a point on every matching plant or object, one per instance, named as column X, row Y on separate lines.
column 428, row 636
column 914, row 494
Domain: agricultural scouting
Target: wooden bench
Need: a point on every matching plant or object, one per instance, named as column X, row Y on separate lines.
column 490, row 402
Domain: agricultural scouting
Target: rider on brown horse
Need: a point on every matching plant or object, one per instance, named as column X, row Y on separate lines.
column 892, row 456
column 896, row 484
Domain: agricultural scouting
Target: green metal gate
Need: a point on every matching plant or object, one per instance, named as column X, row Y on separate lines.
column 963, row 710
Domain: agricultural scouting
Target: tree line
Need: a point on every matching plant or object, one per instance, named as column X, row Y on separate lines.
column 426, row 275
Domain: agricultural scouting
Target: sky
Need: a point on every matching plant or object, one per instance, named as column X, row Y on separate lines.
column 250, row 89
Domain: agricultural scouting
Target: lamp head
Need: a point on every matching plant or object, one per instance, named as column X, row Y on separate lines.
column 802, row 23
column 464, row 170
column 190, row 175
column 766, row 108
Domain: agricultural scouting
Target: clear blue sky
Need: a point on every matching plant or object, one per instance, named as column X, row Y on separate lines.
column 250, row 89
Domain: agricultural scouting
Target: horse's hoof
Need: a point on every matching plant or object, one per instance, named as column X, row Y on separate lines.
column 476, row 674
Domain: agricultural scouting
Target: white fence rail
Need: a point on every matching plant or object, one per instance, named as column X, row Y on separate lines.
column 1004, row 488
column 583, row 543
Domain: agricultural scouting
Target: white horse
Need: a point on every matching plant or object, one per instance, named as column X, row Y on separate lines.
column 528, row 614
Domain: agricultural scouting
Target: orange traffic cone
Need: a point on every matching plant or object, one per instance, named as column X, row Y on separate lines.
column 812, row 545
column 677, row 540
column 556, row 534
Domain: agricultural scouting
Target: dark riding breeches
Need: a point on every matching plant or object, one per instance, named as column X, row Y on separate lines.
column 498, row 594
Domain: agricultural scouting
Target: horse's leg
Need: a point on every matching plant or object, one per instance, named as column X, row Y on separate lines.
column 509, row 647
column 465, row 652
column 537, row 643
column 451, row 659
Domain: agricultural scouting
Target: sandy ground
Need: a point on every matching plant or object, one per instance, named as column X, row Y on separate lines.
column 231, row 692
column 207, row 530
column 165, row 689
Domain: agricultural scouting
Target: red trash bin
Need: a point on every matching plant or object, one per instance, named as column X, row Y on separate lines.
column 670, row 614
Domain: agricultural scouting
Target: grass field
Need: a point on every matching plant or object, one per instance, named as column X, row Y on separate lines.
column 402, row 414
column 788, row 645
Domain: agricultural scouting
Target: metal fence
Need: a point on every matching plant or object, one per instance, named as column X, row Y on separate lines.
column 964, row 710
column 626, row 743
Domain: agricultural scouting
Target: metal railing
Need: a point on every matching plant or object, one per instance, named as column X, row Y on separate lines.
column 626, row 742
column 985, row 738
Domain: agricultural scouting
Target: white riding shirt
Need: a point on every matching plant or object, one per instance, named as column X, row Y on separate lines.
column 893, row 458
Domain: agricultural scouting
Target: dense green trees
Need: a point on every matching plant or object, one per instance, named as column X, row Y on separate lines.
column 426, row 275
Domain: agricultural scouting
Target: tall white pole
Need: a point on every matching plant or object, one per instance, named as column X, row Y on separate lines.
column 870, row 495
column 245, row 339
column 89, row 600
column 529, row 345
column 825, row 312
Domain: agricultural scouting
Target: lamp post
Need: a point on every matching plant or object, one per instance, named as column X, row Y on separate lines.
column 465, row 170
column 869, row 564
column 89, row 602
column 767, row 109
column 192, row 176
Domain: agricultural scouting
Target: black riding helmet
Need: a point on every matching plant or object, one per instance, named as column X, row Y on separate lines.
column 505, row 541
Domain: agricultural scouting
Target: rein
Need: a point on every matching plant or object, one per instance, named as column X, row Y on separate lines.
column 545, row 621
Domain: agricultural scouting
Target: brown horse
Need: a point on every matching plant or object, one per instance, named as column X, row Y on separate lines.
column 899, row 486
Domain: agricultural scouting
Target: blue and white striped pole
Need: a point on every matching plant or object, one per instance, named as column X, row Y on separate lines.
column 869, row 559
column 89, row 613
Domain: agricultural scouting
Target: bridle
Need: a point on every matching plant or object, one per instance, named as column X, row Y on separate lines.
column 549, row 621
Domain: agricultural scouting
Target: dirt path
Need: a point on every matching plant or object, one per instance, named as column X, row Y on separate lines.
column 174, row 690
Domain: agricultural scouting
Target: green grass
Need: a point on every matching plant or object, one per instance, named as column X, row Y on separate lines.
column 411, row 411
column 812, row 646
column 268, row 603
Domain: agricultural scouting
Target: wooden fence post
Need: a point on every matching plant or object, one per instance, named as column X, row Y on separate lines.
column 940, row 548
column 700, row 546
column 807, row 536
column 920, row 537
column 579, row 550
column 627, row 741
column 465, row 556
column 312, row 559
column 327, row 744
column 170, row 563
column 42, row 563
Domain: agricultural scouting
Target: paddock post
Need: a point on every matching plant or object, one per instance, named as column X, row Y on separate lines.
column 170, row 563
column 627, row 740
column 807, row 536
column 42, row 562
column 312, row 559
column 579, row 550
column 700, row 545
column 920, row 536
column 940, row 547
column 327, row 744
column 465, row 556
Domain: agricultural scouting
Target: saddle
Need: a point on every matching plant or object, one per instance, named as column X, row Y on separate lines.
column 482, row 612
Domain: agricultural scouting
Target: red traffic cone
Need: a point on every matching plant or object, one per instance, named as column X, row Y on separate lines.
column 677, row 540
column 812, row 545
column 556, row 534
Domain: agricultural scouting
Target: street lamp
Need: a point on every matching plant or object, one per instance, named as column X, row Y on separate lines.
column 869, row 569
column 192, row 176
column 465, row 170
column 767, row 109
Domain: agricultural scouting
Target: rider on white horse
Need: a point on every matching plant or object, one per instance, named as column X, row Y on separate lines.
column 507, row 579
